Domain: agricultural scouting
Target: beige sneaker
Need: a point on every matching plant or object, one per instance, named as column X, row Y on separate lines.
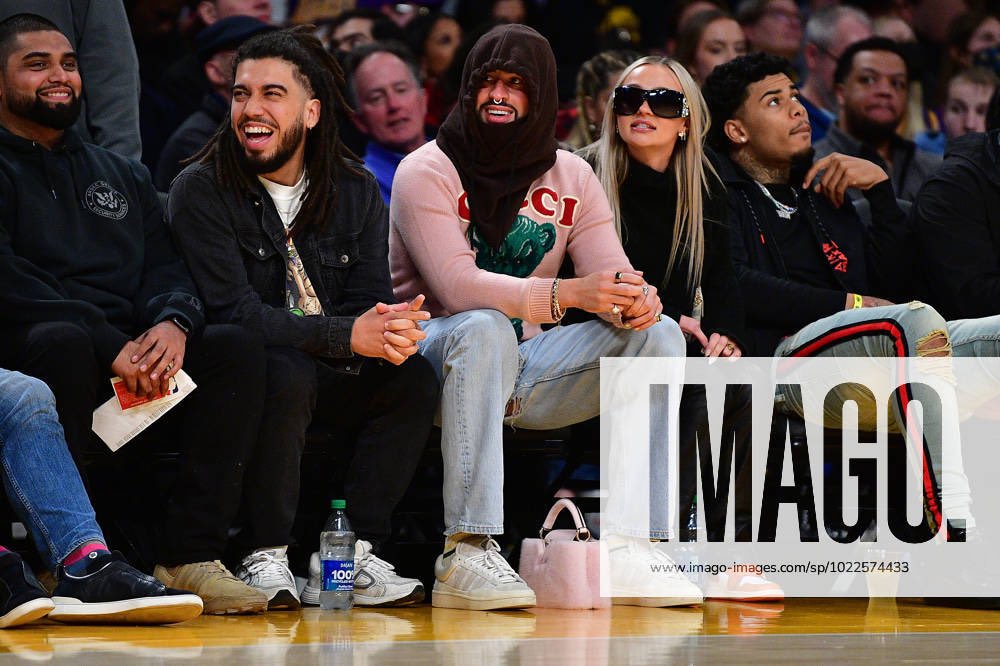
column 221, row 591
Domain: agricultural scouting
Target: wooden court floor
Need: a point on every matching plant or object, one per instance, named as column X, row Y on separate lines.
column 797, row 631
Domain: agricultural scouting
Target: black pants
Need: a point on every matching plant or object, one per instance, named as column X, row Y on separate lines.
column 217, row 424
column 386, row 411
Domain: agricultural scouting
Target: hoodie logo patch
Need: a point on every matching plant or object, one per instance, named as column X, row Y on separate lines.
column 106, row 201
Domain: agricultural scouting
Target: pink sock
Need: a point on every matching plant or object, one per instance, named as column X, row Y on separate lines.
column 83, row 551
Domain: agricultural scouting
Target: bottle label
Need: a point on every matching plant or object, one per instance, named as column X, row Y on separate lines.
column 338, row 575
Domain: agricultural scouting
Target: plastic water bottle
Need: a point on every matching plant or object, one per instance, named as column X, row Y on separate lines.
column 336, row 554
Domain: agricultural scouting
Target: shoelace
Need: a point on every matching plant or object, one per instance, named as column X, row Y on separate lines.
column 267, row 566
column 491, row 560
column 215, row 566
column 374, row 564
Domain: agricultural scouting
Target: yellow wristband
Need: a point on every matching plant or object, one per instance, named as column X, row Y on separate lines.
column 859, row 302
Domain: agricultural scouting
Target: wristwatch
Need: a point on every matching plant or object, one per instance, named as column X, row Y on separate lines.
column 181, row 324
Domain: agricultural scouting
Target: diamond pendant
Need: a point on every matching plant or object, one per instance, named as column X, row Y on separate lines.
column 784, row 214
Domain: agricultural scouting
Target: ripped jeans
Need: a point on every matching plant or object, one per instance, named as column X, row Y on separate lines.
column 907, row 330
column 549, row 381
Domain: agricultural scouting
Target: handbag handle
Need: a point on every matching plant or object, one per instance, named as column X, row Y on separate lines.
column 582, row 533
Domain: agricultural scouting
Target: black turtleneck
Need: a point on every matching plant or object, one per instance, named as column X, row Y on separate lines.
column 648, row 202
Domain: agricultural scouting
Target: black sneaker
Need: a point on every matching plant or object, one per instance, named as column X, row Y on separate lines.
column 112, row 591
column 22, row 598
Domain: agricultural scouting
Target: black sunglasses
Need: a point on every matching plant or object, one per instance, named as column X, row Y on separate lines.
column 663, row 102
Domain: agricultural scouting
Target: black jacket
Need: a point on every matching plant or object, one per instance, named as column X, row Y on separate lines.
column 82, row 240
column 776, row 306
column 956, row 217
column 235, row 245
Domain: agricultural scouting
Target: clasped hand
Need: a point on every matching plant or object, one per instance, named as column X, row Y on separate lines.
column 390, row 332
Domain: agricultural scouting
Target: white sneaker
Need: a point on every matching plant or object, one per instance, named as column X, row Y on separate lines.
column 474, row 576
column 375, row 581
column 643, row 575
column 310, row 593
column 266, row 569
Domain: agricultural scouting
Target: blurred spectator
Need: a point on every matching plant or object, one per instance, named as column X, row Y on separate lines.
column 772, row 26
column 965, row 108
column 993, row 112
column 184, row 83
column 971, row 33
column 216, row 47
column 511, row 11
column 99, row 33
column 594, row 83
column 211, row 11
column 360, row 26
column 872, row 87
column 828, row 32
column 892, row 27
column 683, row 10
column 931, row 21
column 709, row 38
column 969, row 94
column 433, row 39
column 400, row 13
column 389, row 106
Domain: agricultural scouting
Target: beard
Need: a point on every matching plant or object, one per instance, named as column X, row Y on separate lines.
column 258, row 164
column 867, row 130
column 800, row 165
column 46, row 114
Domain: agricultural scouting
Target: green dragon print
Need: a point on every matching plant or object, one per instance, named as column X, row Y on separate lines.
column 518, row 255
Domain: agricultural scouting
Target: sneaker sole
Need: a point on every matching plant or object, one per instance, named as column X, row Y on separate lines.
column 745, row 596
column 235, row 606
column 283, row 600
column 414, row 596
column 146, row 610
column 454, row 599
column 657, row 602
column 310, row 596
column 27, row 612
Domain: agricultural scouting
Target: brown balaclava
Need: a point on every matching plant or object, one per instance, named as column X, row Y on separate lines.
column 497, row 163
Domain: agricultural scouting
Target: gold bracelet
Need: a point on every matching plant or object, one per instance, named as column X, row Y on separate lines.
column 557, row 312
column 859, row 302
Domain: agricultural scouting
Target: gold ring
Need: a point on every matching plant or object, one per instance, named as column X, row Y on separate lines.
column 615, row 309
column 659, row 317
column 730, row 347
column 618, row 276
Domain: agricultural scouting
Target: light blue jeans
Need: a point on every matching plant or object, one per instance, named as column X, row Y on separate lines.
column 902, row 330
column 549, row 381
column 39, row 475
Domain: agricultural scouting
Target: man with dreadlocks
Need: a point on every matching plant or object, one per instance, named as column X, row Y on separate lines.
column 481, row 220
column 286, row 236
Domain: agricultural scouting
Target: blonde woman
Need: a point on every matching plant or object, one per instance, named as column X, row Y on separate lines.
column 668, row 203
column 669, row 208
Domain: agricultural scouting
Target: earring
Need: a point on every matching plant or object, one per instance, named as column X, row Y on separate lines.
column 682, row 135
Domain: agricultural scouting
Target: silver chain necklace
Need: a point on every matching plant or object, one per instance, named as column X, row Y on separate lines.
column 784, row 212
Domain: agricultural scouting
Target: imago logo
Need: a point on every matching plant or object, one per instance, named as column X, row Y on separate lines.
column 106, row 201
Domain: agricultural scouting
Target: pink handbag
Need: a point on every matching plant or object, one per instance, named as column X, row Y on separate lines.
column 563, row 567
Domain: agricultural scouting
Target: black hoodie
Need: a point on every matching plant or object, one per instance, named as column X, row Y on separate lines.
column 956, row 216
column 82, row 240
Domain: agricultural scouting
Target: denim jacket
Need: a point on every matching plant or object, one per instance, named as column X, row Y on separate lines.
column 234, row 244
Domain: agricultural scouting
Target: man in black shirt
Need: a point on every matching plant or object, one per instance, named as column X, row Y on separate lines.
column 812, row 278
